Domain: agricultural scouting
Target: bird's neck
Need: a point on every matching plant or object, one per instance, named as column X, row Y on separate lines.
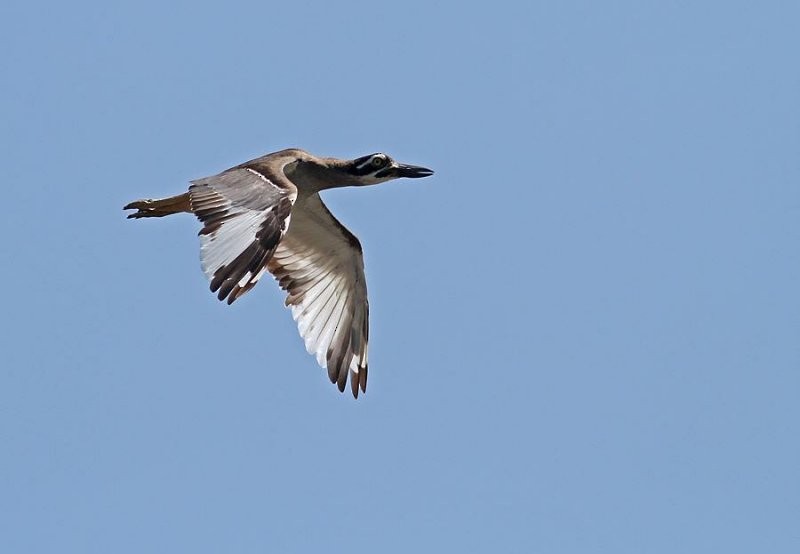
column 312, row 177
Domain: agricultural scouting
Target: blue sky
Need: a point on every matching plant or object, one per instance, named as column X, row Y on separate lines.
column 584, row 327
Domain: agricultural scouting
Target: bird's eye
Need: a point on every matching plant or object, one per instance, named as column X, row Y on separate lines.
column 377, row 161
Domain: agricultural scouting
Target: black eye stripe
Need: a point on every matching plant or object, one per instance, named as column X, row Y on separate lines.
column 369, row 164
column 361, row 163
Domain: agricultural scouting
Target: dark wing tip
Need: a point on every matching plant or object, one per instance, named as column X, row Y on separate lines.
column 358, row 381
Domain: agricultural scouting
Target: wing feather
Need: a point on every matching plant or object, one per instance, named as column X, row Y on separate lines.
column 244, row 215
column 320, row 265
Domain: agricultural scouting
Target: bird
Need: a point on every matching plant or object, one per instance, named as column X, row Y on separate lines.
column 266, row 215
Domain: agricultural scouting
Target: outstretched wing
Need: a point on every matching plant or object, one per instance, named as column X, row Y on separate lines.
column 319, row 263
column 244, row 214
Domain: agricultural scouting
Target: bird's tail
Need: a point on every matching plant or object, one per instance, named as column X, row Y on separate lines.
column 159, row 208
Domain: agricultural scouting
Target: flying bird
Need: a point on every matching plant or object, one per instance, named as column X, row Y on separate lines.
column 267, row 215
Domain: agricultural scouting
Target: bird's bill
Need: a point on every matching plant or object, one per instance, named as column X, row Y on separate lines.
column 413, row 171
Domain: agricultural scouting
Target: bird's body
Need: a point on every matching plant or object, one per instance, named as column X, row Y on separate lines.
column 266, row 215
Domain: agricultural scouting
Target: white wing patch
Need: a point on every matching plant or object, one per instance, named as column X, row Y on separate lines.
column 244, row 216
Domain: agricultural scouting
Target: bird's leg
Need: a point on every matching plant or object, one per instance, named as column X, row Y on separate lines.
column 159, row 208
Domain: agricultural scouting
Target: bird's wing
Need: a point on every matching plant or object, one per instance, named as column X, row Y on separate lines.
column 319, row 263
column 244, row 214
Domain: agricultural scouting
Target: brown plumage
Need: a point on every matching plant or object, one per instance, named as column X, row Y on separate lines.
column 266, row 215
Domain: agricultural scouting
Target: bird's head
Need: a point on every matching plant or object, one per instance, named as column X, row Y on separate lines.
column 377, row 168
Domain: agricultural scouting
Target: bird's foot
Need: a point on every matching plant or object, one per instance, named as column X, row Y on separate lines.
column 145, row 209
column 159, row 208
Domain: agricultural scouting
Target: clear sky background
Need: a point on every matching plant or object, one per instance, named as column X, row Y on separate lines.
column 584, row 327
